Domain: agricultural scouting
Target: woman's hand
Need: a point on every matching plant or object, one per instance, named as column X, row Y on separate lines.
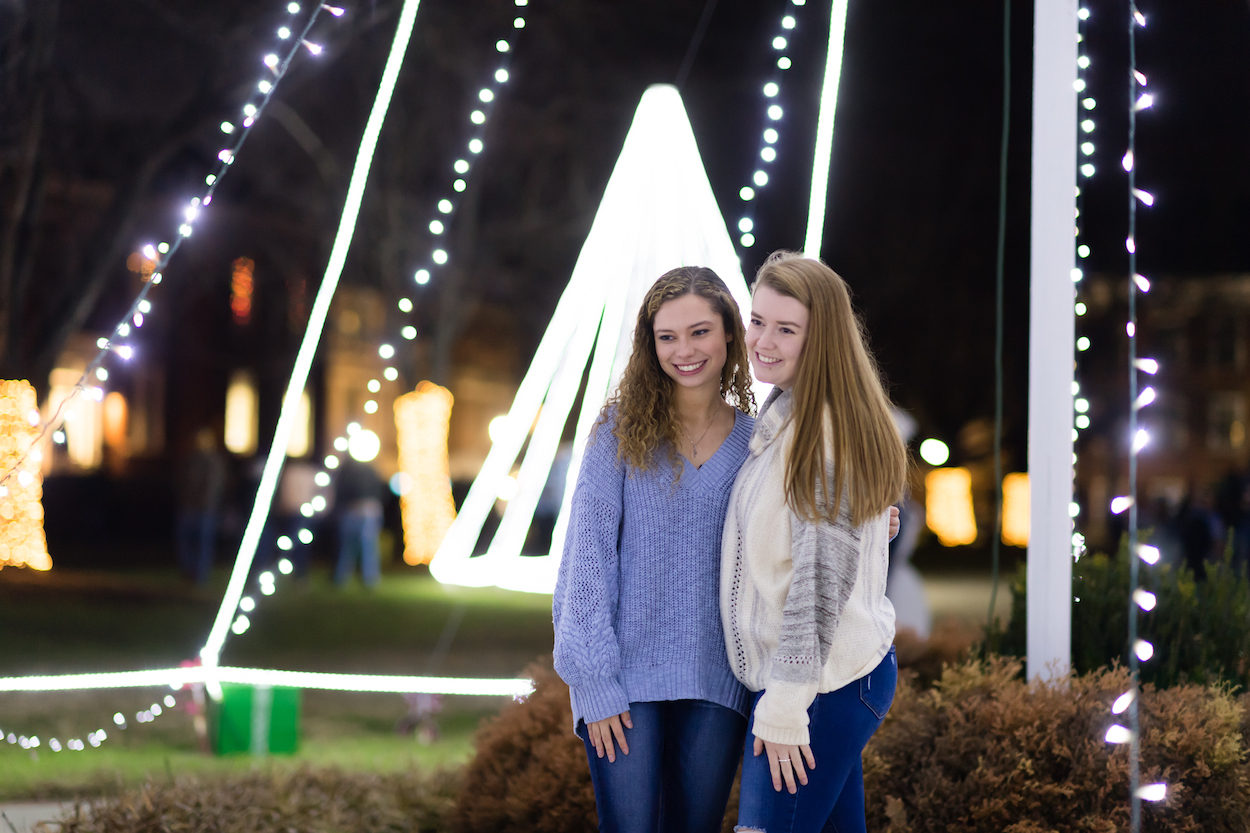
column 786, row 762
column 601, row 732
column 893, row 522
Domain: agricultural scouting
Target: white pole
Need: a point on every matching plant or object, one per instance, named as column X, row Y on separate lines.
column 1051, row 335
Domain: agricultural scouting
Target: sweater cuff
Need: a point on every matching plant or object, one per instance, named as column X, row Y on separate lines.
column 599, row 699
column 781, row 713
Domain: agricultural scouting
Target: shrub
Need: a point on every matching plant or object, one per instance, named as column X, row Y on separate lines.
column 530, row 772
column 306, row 800
column 1200, row 629
column 950, row 642
column 982, row 750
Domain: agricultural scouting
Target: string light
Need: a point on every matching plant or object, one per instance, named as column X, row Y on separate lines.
column 97, row 738
column 136, row 311
column 1140, row 599
column 291, row 401
column 178, row 677
column 773, row 112
column 387, row 351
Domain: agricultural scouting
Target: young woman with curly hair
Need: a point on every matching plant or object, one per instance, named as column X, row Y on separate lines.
column 637, row 626
column 807, row 625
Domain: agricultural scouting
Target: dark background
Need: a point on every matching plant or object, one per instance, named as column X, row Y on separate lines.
column 108, row 122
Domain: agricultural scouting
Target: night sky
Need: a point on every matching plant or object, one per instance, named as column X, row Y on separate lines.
column 913, row 196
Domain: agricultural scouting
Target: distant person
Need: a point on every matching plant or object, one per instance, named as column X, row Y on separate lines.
column 201, row 483
column 1241, row 530
column 358, row 495
column 1200, row 531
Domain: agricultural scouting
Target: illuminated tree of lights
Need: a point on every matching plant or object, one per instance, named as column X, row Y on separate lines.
column 22, row 542
column 422, row 419
column 658, row 212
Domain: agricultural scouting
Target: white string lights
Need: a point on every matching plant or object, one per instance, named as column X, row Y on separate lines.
column 90, row 383
column 1139, row 650
column 94, row 739
column 210, row 672
column 1086, row 170
column 486, row 99
column 227, row 614
column 774, row 114
column 479, row 116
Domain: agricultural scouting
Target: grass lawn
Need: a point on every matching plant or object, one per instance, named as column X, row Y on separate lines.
column 73, row 621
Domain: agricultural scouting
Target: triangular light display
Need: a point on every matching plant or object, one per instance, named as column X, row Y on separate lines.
column 658, row 213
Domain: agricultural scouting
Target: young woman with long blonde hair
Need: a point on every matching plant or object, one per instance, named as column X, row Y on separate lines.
column 807, row 625
column 637, row 625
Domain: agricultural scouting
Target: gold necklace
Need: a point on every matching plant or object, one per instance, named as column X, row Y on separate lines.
column 694, row 444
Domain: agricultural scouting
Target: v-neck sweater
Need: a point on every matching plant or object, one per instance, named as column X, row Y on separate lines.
column 636, row 610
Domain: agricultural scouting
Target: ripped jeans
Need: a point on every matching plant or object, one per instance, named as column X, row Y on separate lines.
column 841, row 722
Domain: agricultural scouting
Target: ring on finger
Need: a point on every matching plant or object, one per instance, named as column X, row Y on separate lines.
column 783, row 760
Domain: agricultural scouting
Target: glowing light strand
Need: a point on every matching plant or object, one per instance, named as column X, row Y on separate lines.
column 774, row 114
column 479, row 116
column 1139, row 649
column 177, row 677
column 308, row 346
column 140, row 306
column 440, row 222
column 824, row 130
column 1085, row 169
column 96, row 738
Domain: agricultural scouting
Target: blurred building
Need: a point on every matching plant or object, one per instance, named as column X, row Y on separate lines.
column 1196, row 461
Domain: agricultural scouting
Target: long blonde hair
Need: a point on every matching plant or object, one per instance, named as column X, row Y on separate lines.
column 646, row 416
column 839, row 402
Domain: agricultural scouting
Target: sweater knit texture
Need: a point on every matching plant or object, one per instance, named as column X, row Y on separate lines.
column 635, row 610
column 803, row 604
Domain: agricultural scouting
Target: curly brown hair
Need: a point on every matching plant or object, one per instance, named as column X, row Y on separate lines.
column 646, row 416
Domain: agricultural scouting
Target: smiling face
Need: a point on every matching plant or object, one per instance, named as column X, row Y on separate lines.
column 776, row 336
column 690, row 341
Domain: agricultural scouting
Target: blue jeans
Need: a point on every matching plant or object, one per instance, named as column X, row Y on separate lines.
column 841, row 722
column 683, row 755
column 358, row 535
column 197, row 539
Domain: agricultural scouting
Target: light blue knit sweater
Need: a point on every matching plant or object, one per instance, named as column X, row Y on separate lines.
column 636, row 607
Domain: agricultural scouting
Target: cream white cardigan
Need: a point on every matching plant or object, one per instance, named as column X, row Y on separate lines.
column 803, row 604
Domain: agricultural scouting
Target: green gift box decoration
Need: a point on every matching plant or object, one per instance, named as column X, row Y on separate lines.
column 260, row 720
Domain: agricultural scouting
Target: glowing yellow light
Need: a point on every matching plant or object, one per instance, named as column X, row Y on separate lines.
column 22, row 543
column 948, row 506
column 422, row 419
column 1016, row 510
column 300, row 442
column 242, row 414
column 115, row 422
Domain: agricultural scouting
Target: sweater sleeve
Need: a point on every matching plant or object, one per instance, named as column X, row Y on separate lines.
column 825, row 563
column 587, row 654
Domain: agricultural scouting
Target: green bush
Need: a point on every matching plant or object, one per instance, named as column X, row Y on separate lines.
column 1200, row 630
column 983, row 750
